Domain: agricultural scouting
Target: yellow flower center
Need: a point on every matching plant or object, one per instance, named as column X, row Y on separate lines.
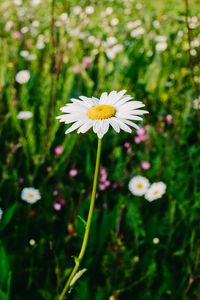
column 155, row 192
column 139, row 186
column 30, row 195
column 101, row 111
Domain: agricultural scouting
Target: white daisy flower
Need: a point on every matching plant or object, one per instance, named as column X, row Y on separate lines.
column 30, row 195
column 114, row 109
column 156, row 191
column 196, row 103
column 161, row 46
column 22, row 76
column 1, row 213
column 24, row 115
column 138, row 185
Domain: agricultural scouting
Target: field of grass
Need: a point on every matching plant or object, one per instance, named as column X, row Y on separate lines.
column 137, row 250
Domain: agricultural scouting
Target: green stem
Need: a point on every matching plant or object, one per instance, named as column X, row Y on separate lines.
column 88, row 224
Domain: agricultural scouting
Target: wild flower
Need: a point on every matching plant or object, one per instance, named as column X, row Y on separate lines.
column 73, row 172
column 196, row 103
column 156, row 241
column 138, row 185
column 114, row 109
column 141, row 135
column 155, row 191
column 24, row 115
column 22, row 76
column 30, row 195
column 58, row 149
column 137, row 32
column 168, row 119
column 104, row 183
column 161, row 46
column 145, row 165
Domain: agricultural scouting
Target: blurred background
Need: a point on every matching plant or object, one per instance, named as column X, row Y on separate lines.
column 51, row 51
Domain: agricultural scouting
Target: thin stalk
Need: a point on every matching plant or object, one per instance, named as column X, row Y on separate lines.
column 88, row 223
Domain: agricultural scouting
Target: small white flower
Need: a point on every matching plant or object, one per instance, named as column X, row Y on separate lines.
column 161, row 46
column 137, row 32
column 134, row 24
column 114, row 109
column 31, row 57
column 156, row 241
column 89, row 10
column 138, row 185
column 24, row 115
column 17, row 2
column 193, row 52
column 24, row 29
column 24, row 53
column 32, row 242
column 112, row 52
column 114, row 22
column 156, row 191
column 30, row 195
column 76, row 10
column 1, row 213
column 64, row 17
column 40, row 44
column 196, row 103
column 156, row 24
column 160, row 38
column 9, row 25
column 35, row 2
column 108, row 11
column 22, row 76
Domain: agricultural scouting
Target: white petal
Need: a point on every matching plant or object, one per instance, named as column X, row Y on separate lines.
column 132, row 124
column 87, row 100
column 100, row 134
column 136, row 112
column 131, row 105
column 114, row 125
column 123, row 100
column 95, row 100
column 122, row 125
column 73, row 109
column 69, row 118
column 112, row 95
column 96, row 126
column 85, row 127
column 79, row 102
column 105, row 126
column 117, row 97
column 74, row 127
column 103, row 98
column 124, row 115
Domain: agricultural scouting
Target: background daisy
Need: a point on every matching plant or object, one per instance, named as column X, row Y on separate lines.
column 138, row 185
column 30, row 195
column 156, row 191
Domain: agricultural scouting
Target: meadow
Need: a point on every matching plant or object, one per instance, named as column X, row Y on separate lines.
column 140, row 248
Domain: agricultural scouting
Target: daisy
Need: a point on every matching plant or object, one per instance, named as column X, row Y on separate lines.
column 196, row 103
column 24, row 115
column 114, row 109
column 138, row 185
column 155, row 191
column 22, row 76
column 30, row 195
